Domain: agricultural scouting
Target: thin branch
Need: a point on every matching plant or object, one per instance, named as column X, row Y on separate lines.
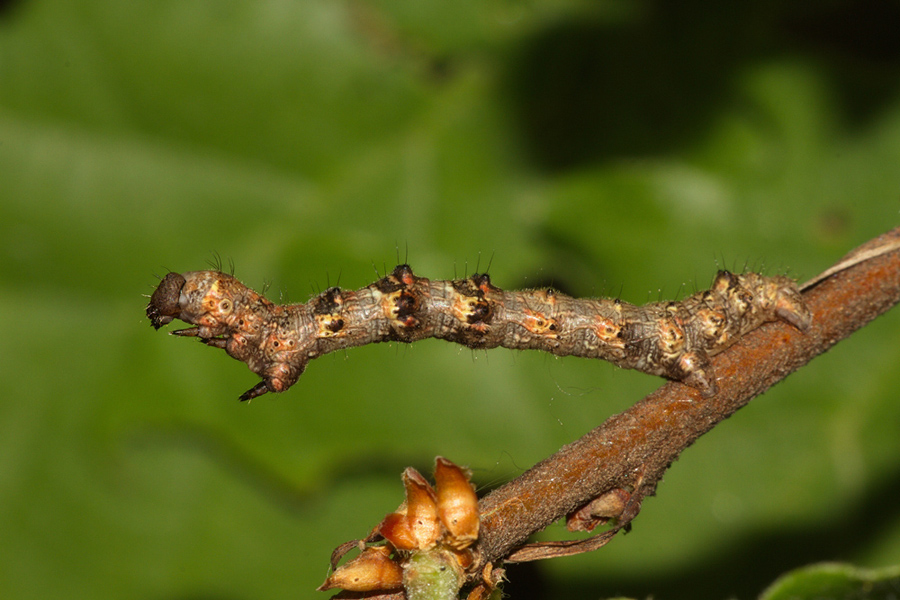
column 633, row 449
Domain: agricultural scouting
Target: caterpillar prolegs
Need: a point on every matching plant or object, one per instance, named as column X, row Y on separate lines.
column 670, row 339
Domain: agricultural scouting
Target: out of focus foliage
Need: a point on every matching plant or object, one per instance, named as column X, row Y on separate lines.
column 836, row 582
column 607, row 148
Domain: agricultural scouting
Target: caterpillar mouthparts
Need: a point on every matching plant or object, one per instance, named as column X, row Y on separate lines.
column 669, row 339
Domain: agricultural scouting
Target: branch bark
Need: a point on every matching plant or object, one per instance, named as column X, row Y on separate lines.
column 633, row 449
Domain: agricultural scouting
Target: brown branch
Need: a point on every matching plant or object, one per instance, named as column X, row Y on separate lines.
column 633, row 449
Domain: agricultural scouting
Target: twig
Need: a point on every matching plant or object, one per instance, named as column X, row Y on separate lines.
column 633, row 449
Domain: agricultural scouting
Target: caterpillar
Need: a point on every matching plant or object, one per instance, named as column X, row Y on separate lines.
column 674, row 340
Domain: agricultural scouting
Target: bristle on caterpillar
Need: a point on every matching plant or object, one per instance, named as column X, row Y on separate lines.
column 669, row 339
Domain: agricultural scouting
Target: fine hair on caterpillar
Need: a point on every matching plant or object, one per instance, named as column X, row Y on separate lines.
column 674, row 340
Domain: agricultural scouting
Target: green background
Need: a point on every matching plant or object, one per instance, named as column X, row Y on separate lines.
column 606, row 148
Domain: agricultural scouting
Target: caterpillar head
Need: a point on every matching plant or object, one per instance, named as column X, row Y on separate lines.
column 208, row 299
column 163, row 307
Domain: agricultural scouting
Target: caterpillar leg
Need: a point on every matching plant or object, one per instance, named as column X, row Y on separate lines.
column 693, row 369
column 257, row 390
column 791, row 309
column 216, row 342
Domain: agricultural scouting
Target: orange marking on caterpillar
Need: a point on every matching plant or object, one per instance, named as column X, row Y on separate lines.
column 539, row 324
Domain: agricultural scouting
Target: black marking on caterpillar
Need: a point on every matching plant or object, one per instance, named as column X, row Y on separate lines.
column 670, row 339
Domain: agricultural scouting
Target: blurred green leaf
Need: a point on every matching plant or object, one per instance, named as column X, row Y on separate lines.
column 837, row 582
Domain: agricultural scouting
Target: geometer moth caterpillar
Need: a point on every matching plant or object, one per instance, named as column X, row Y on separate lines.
column 670, row 339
